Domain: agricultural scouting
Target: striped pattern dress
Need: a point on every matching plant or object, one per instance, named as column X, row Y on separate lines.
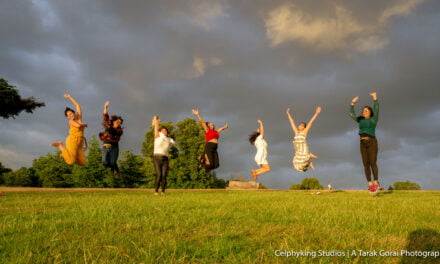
column 301, row 160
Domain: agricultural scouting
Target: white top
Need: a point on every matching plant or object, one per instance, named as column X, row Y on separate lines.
column 162, row 144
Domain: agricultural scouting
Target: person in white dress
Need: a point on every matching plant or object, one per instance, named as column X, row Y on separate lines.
column 301, row 160
column 257, row 139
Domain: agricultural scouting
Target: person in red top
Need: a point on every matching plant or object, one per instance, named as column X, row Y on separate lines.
column 210, row 158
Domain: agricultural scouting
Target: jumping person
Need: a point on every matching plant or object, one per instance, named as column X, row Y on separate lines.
column 210, row 158
column 162, row 144
column 73, row 152
column 368, row 142
column 301, row 160
column 110, row 139
column 257, row 139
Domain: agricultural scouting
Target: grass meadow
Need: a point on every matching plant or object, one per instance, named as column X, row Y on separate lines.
column 216, row 226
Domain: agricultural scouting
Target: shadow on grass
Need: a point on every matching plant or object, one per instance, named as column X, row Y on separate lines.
column 421, row 241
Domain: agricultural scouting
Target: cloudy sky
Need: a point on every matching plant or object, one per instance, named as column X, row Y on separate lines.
column 237, row 61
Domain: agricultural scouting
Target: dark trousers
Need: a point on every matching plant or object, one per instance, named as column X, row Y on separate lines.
column 161, row 167
column 211, row 152
column 110, row 157
column 369, row 151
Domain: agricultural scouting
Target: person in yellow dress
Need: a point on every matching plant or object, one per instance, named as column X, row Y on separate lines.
column 73, row 152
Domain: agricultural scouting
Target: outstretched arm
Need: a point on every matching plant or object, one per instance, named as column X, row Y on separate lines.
column 292, row 122
column 223, row 128
column 196, row 112
column 155, row 124
column 375, row 107
column 309, row 125
column 75, row 103
column 351, row 111
column 261, row 128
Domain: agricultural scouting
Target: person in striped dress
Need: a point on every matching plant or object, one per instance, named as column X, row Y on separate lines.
column 301, row 160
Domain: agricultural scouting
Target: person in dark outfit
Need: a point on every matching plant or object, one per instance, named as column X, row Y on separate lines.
column 210, row 158
column 368, row 142
column 110, row 139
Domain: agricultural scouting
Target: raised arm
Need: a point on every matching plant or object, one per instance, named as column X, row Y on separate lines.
column 351, row 111
column 309, row 125
column 261, row 128
column 375, row 107
column 105, row 111
column 155, row 124
column 292, row 122
column 223, row 128
column 77, row 106
column 196, row 112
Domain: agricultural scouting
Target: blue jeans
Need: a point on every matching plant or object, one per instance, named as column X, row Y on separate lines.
column 110, row 157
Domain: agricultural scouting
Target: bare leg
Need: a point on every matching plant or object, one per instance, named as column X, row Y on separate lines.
column 264, row 168
column 312, row 166
column 312, row 156
column 254, row 175
column 207, row 160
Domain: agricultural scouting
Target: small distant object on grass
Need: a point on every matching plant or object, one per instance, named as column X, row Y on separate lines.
column 1, row 194
column 318, row 192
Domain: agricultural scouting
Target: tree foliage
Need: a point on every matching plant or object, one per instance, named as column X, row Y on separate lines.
column 406, row 185
column 307, row 184
column 11, row 103
column 3, row 170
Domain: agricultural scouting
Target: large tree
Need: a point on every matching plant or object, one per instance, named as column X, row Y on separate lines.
column 11, row 103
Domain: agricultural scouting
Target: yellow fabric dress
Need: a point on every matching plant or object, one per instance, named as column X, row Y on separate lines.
column 74, row 150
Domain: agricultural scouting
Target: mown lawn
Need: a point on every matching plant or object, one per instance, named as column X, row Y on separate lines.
column 134, row 226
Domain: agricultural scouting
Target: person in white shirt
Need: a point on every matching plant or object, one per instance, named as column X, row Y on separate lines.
column 162, row 144
column 257, row 139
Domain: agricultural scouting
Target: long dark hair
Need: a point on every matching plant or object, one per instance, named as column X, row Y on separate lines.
column 359, row 118
column 67, row 110
column 253, row 137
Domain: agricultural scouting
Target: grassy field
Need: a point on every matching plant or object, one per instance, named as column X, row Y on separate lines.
column 218, row 226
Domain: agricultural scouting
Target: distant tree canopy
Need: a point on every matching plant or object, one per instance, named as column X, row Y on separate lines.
column 406, row 185
column 3, row 170
column 307, row 184
column 11, row 103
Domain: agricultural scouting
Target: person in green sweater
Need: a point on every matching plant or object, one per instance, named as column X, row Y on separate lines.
column 368, row 142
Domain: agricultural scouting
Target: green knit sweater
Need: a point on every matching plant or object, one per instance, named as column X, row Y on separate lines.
column 367, row 125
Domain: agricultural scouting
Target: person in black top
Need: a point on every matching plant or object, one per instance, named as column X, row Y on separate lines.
column 110, row 139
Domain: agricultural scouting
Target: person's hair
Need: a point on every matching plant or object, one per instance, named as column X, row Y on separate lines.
column 359, row 118
column 305, row 124
column 253, row 137
column 165, row 129
column 67, row 110
column 115, row 117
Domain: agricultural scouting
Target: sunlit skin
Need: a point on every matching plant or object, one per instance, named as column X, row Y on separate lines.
column 366, row 114
column 264, row 167
column 75, row 119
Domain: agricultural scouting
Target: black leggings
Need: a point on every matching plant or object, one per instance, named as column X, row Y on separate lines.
column 161, row 167
column 211, row 152
column 369, row 151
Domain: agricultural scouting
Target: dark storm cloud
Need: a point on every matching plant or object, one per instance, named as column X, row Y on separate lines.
column 236, row 63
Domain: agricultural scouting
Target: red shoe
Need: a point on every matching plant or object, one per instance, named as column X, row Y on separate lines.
column 373, row 189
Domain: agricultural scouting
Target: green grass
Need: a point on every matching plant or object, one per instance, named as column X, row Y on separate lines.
column 134, row 226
